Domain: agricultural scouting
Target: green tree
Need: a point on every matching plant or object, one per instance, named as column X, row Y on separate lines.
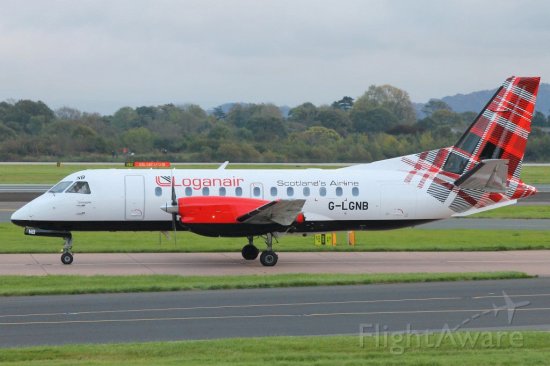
column 334, row 118
column 318, row 135
column 539, row 120
column 218, row 113
column 305, row 114
column 125, row 118
column 138, row 140
column 6, row 133
column 393, row 99
column 344, row 104
column 26, row 116
column 69, row 114
column 373, row 119
column 435, row 105
column 266, row 128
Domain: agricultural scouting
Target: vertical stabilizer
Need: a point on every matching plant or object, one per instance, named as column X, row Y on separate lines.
column 482, row 169
column 500, row 130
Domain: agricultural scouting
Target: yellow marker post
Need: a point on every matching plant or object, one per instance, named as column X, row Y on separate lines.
column 351, row 238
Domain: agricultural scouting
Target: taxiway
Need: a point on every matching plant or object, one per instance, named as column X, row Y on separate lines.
column 42, row 320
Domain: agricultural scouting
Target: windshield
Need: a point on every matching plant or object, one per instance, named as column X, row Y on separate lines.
column 79, row 187
column 60, row 187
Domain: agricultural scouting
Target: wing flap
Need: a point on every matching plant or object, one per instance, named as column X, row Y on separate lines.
column 282, row 212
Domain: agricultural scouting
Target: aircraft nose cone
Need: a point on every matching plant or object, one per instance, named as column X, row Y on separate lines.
column 19, row 216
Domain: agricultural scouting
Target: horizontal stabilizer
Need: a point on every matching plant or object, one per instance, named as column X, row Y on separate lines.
column 490, row 176
column 472, row 211
column 282, row 212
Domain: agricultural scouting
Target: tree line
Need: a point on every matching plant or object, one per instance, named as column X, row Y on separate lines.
column 379, row 124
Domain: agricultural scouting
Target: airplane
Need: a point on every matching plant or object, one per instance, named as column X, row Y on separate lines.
column 509, row 306
column 480, row 172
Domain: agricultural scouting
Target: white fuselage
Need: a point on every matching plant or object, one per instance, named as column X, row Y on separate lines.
column 130, row 199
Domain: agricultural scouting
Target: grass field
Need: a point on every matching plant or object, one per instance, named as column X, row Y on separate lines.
column 13, row 241
column 50, row 173
column 458, row 348
column 69, row 285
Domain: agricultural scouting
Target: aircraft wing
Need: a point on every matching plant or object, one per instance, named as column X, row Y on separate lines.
column 282, row 212
column 490, row 175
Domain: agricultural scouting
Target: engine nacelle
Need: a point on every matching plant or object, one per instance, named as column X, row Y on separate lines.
column 215, row 209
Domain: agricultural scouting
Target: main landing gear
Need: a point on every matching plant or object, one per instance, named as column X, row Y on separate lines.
column 250, row 252
column 268, row 257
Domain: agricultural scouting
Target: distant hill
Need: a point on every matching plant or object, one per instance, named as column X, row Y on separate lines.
column 475, row 101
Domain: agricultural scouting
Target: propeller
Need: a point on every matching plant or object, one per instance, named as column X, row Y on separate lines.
column 174, row 204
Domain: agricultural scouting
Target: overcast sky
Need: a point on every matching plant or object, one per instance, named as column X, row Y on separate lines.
column 98, row 56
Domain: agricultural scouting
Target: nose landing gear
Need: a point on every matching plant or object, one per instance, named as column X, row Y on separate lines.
column 67, row 256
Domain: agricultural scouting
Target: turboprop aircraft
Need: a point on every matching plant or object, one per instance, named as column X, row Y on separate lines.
column 480, row 172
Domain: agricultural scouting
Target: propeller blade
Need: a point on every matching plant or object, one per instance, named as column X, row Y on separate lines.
column 174, row 200
column 174, row 204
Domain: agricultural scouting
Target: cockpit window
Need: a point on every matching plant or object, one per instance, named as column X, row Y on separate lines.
column 60, row 187
column 79, row 187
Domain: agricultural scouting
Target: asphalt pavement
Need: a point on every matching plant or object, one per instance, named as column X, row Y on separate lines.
column 355, row 310
column 534, row 262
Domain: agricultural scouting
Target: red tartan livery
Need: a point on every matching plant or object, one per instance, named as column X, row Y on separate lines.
column 500, row 131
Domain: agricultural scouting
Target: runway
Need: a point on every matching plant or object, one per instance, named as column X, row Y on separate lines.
column 534, row 262
column 54, row 320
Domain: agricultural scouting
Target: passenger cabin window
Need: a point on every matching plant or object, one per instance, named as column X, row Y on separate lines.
column 205, row 191
column 60, row 187
column 188, row 191
column 273, row 191
column 322, row 191
column 290, row 191
column 238, row 191
column 222, row 191
column 355, row 191
column 306, row 191
column 79, row 187
column 339, row 191
column 158, row 191
column 256, row 191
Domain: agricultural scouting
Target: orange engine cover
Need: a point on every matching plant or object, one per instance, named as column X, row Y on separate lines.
column 215, row 209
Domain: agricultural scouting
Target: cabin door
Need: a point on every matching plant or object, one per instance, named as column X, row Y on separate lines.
column 134, row 188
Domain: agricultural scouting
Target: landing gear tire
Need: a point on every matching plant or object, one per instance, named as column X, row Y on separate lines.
column 66, row 258
column 250, row 252
column 269, row 258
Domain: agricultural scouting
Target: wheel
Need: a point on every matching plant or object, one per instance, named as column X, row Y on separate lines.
column 269, row 258
column 250, row 252
column 66, row 258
